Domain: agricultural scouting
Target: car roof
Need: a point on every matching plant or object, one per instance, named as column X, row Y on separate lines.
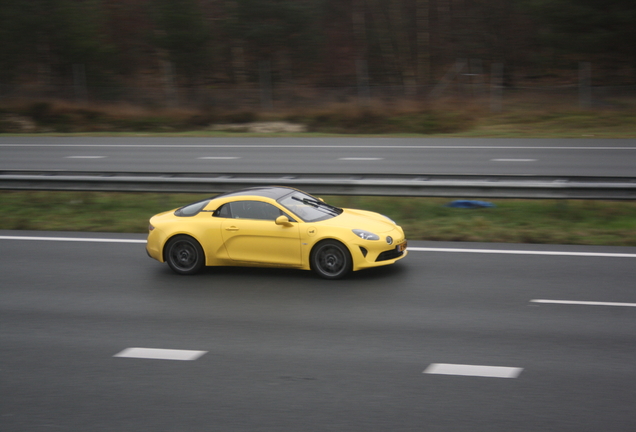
column 274, row 192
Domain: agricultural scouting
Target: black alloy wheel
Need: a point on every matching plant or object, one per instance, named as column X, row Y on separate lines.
column 331, row 259
column 184, row 255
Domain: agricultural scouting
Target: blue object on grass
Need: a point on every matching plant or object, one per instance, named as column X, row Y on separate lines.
column 469, row 204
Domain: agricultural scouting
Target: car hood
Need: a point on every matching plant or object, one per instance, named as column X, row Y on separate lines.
column 361, row 219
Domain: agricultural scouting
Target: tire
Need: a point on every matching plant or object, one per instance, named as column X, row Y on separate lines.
column 330, row 259
column 184, row 255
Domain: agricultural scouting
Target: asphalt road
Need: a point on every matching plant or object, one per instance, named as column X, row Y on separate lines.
column 282, row 350
column 551, row 157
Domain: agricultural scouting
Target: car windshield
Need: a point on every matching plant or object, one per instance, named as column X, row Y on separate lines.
column 192, row 209
column 308, row 208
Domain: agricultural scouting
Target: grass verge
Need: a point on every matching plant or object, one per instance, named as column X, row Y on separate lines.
column 511, row 221
column 449, row 118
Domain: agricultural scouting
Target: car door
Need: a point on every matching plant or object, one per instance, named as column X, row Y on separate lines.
column 251, row 234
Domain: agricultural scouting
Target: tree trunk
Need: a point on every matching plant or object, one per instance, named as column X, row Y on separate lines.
column 359, row 33
column 444, row 31
column 404, row 50
column 360, row 60
column 423, row 44
column 237, row 47
column 44, row 65
column 384, row 38
column 238, row 62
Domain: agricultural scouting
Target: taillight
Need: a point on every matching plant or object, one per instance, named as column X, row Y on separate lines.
column 150, row 227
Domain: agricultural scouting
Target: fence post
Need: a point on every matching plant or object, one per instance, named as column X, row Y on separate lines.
column 496, row 87
column 265, row 79
column 364, row 95
column 477, row 74
column 168, row 77
column 79, row 83
column 585, row 88
column 447, row 79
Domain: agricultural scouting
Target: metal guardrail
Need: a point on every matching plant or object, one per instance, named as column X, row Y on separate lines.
column 415, row 185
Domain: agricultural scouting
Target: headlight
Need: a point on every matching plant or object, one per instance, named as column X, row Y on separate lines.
column 366, row 235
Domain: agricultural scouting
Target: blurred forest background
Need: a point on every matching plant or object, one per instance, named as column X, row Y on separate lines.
column 265, row 55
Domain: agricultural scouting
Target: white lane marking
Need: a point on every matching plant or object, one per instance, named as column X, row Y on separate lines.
column 85, row 157
column 360, row 159
column 513, row 160
column 473, row 370
column 27, row 169
column 160, row 354
column 73, row 239
column 411, row 249
column 220, row 157
column 178, row 146
column 524, row 252
column 585, row 303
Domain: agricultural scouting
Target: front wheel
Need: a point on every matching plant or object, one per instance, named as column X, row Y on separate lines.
column 331, row 259
column 184, row 255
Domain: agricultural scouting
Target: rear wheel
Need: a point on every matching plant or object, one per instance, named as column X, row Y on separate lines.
column 330, row 259
column 184, row 255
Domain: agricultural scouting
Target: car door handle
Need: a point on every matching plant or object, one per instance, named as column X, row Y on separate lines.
column 231, row 228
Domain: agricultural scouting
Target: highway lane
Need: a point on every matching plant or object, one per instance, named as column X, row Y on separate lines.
column 285, row 350
column 567, row 157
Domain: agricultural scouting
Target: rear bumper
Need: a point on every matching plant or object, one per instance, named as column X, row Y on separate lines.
column 153, row 245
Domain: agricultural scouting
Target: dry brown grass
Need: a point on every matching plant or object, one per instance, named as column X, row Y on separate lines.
column 522, row 115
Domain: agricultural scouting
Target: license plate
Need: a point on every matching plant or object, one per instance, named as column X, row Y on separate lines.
column 401, row 247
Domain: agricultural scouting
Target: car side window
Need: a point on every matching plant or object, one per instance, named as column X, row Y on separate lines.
column 223, row 212
column 250, row 210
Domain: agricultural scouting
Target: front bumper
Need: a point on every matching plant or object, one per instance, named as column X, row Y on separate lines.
column 372, row 255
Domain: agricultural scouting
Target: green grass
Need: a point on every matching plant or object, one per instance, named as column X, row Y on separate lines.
column 511, row 221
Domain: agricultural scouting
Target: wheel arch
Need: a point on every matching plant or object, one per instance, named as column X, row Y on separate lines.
column 329, row 238
column 175, row 234
column 317, row 244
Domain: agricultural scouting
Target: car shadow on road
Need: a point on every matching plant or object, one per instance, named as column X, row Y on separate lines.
column 295, row 274
column 284, row 275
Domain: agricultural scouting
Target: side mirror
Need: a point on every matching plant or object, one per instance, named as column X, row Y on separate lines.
column 283, row 220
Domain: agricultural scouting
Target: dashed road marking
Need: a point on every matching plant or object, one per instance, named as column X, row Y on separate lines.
column 219, row 157
column 323, row 146
column 584, row 303
column 473, row 370
column 513, row 160
column 160, row 354
column 361, row 159
column 85, row 157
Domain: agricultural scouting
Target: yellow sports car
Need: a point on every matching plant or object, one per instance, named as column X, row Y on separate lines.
column 274, row 227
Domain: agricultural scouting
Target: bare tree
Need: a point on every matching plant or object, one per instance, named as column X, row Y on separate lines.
column 423, row 43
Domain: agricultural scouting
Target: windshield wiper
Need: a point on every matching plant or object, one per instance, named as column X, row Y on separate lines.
column 319, row 205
